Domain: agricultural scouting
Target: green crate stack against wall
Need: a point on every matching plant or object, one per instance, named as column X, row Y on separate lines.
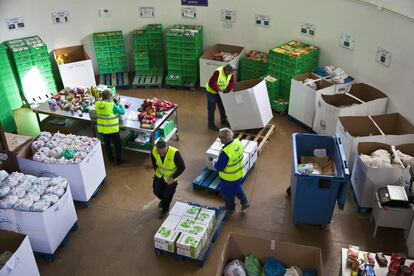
column 289, row 60
column 30, row 58
column 110, row 52
column 184, row 48
column 148, row 52
column 253, row 65
column 8, row 85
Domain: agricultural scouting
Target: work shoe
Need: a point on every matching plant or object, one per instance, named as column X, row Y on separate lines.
column 225, row 123
column 162, row 214
column 288, row 191
column 244, row 207
column 213, row 128
column 160, row 205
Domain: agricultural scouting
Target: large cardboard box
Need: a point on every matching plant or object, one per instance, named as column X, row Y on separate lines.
column 166, row 236
column 22, row 262
column 84, row 178
column 366, row 180
column 46, row 230
column 361, row 100
column 79, row 72
column 238, row 246
column 391, row 129
column 185, row 210
column 189, row 245
column 208, row 65
column 302, row 97
column 250, row 147
column 248, row 107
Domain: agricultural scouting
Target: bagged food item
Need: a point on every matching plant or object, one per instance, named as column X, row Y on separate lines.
column 50, row 160
column 8, row 201
column 55, row 190
column 23, row 204
column 62, row 161
column 37, row 145
column 273, row 267
column 44, row 150
column 366, row 159
column 76, row 160
column 40, row 205
column 234, row 268
column 4, row 191
column 3, row 175
column 293, row 271
column 46, row 134
column 4, row 257
column 55, row 152
column 52, row 144
column 18, row 191
column 406, row 159
column 52, row 198
column 39, row 156
column 33, row 196
column 59, row 182
column 252, row 266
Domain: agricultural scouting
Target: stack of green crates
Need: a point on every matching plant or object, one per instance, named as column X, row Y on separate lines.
column 8, row 85
column 289, row 60
column 110, row 52
column 253, row 65
column 27, row 54
column 148, row 51
column 184, row 48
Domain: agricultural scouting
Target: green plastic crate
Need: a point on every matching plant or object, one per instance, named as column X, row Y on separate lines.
column 154, row 29
column 173, row 79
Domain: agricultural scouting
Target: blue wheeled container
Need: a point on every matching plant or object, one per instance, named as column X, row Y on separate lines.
column 314, row 196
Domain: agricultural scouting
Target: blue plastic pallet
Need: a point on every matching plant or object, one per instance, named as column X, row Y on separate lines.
column 51, row 257
column 221, row 216
column 119, row 80
column 85, row 204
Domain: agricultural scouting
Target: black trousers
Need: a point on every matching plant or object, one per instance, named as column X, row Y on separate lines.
column 165, row 192
column 212, row 101
column 116, row 139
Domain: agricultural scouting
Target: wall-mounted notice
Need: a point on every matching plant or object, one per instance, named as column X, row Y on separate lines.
column 194, row 3
column 15, row 23
column 146, row 12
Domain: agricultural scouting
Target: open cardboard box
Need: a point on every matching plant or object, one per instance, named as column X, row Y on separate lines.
column 302, row 97
column 361, row 100
column 351, row 130
column 22, row 262
column 323, row 164
column 366, row 180
column 239, row 246
column 208, row 65
column 248, row 107
column 79, row 72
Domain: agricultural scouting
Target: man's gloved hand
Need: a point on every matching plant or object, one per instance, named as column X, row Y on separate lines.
column 170, row 180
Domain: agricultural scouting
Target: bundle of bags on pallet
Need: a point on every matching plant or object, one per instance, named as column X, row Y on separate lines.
column 381, row 158
column 62, row 149
column 271, row 267
column 23, row 192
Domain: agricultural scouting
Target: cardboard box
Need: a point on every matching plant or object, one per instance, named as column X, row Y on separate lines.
column 189, row 245
column 84, row 178
column 302, row 97
column 22, row 262
column 185, row 210
column 206, row 217
column 79, row 72
column 200, row 230
column 246, row 163
column 166, row 236
column 46, row 230
column 320, row 165
column 366, row 180
column 250, row 147
column 185, row 225
column 238, row 246
column 352, row 130
column 330, row 107
column 208, row 65
column 248, row 107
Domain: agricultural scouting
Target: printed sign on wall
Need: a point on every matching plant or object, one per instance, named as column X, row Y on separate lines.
column 194, row 2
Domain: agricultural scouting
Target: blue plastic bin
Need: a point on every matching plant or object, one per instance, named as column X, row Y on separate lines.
column 314, row 196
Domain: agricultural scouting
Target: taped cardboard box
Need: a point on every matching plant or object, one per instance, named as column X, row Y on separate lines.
column 367, row 180
column 167, row 236
column 361, row 100
column 78, row 71
column 238, row 246
column 248, row 107
column 208, row 65
column 302, row 97
column 391, row 129
column 22, row 262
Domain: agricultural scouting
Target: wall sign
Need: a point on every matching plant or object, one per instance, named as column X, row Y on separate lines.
column 194, row 3
column 15, row 23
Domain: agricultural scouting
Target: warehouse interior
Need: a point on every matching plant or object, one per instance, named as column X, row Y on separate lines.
column 115, row 226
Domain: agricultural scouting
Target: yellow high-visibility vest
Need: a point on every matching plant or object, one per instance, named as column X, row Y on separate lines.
column 167, row 168
column 222, row 81
column 107, row 121
column 235, row 166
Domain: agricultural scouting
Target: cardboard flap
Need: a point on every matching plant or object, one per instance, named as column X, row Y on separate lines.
column 75, row 53
column 323, row 164
column 358, row 126
column 339, row 100
column 369, row 147
column 320, row 83
column 243, row 85
column 406, row 148
column 10, row 241
column 366, row 92
column 210, row 52
column 394, row 124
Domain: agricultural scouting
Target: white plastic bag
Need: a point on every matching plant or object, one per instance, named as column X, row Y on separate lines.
column 40, row 206
column 3, row 175
column 234, row 268
column 52, row 198
column 8, row 201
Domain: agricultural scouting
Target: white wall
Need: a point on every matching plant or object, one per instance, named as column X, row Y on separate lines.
column 369, row 26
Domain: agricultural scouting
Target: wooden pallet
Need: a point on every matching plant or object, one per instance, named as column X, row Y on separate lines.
column 120, row 80
column 261, row 136
column 187, row 85
column 147, row 81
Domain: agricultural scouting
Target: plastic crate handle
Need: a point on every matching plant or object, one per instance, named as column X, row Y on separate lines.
column 324, row 184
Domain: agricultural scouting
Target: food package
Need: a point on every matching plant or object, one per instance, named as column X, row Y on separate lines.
column 4, row 258
column 18, row 191
column 33, row 196
column 40, row 205
column 55, row 190
column 39, row 156
column 406, row 159
column 352, row 253
column 3, row 175
column 59, row 182
column 311, row 83
column 234, row 268
column 44, row 150
column 37, row 145
column 252, row 266
column 23, row 204
column 4, row 191
column 55, row 152
column 52, row 144
column 273, row 267
column 8, row 201
column 52, row 198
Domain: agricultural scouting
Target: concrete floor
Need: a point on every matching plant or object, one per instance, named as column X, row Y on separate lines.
column 115, row 235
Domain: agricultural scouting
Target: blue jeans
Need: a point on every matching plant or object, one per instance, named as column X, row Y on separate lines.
column 212, row 101
column 231, row 190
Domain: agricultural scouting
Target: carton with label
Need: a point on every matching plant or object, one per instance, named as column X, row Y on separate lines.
column 200, row 230
column 166, row 236
column 185, row 225
column 206, row 217
column 250, row 147
column 189, row 245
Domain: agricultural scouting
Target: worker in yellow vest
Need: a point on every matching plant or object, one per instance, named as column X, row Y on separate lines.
column 168, row 166
column 230, row 168
column 222, row 81
column 107, row 120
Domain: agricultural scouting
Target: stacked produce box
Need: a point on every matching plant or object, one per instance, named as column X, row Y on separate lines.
column 184, row 47
column 253, row 65
column 289, row 60
column 110, row 52
column 148, row 51
column 33, row 69
column 276, row 100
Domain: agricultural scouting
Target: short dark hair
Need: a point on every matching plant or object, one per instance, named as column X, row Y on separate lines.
column 229, row 68
column 106, row 95
column 161, row 144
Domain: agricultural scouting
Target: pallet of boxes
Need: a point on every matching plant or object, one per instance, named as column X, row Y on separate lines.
column 189, row 231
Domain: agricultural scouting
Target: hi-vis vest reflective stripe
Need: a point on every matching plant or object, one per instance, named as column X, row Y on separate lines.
column 235, row 166
column 222, row 81
column 107, row 121
column 168, row 168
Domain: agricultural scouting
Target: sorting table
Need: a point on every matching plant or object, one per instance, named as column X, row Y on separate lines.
column 125, row 122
